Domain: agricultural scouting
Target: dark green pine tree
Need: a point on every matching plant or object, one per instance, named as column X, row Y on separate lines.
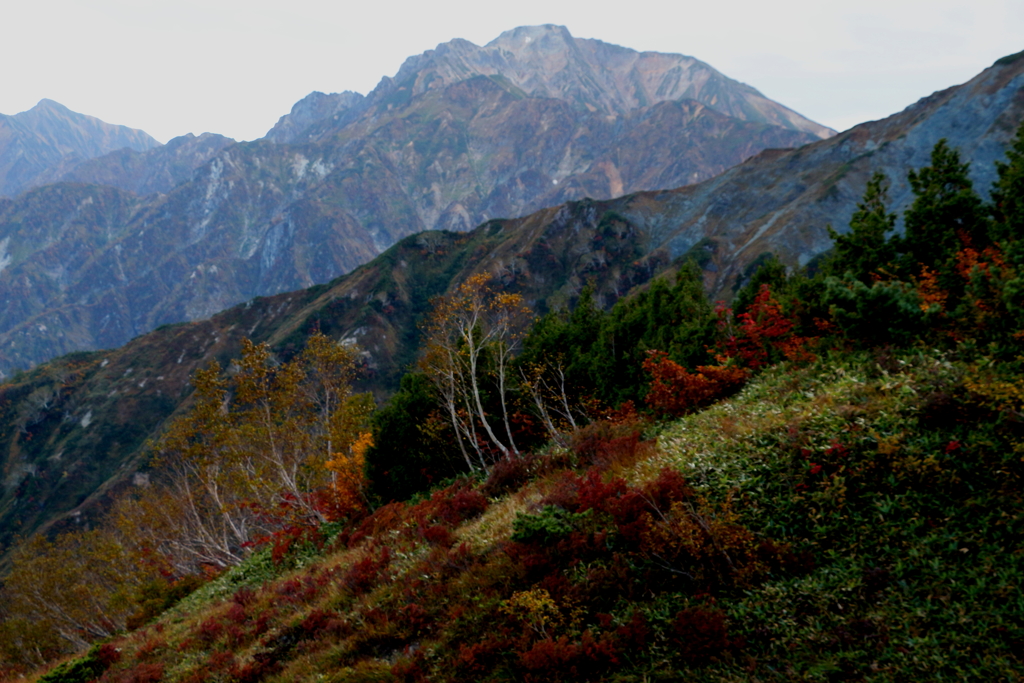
column 1008, row 226
column 1008, row 195
column 947, row 215
column 677, row 319
column 866, row 248
column 564, row 339
column 404, row 459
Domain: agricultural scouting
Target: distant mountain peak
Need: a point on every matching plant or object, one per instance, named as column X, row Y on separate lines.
column 36, row 143
column 547, row 61
column 314, row 107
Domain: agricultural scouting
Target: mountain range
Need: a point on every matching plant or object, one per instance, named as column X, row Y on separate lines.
column 462, row 134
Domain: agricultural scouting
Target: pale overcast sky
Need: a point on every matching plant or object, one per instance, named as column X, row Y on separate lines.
column 234, row 66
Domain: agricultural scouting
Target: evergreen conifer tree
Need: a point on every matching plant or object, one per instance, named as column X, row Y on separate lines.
column 865, row 249
column 946, row 216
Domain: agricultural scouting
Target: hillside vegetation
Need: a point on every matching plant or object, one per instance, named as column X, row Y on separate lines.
column 821, row 483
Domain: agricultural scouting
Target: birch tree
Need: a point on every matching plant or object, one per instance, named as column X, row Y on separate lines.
column 472, row 336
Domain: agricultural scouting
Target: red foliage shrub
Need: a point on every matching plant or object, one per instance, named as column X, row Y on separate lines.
column 634, row 633
column 320, row 622
column 475, row 660
column 298, row 590
column 466, row 504
column 438, row 535
column 551, row 660
column 210, row 630
column 410, row 668
column 383, row 519
column 670, row 487
column 254, row 671
column 362, row 575
column 589, row 492
column 289, row 588
column 109, row 654
column 676, row 391
column 144, row 651
column 764, row 328
column 285, row 539
column 605, row 443
column 221, row 659
column 415, row 619
column 235, row 636
column 606, row 585
column 236, row 613
column 338, row 503
column 507, row 474
column 701, row 635
column 624, row 414
column 152, row 672
column 261, row 623
column 450, row 505
column 244, row 596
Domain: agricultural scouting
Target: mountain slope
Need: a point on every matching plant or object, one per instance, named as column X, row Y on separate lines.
column 36, row 143
column 73, row 428
column 159, row 169
column 461, row 135
column 781, row 201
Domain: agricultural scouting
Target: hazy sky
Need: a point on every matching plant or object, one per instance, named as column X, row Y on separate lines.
column 234, row 66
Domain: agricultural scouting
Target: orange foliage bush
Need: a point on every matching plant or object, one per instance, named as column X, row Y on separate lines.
column 676, row 391
column 764, row 328
column 929, row 291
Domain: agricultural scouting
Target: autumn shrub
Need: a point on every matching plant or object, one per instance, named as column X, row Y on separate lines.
column 474, row 660
column 368, row 571
column 506, row 474
column 149, row 648
column 465, row 504
column 676, row 391
column 385, row 518
column 435, row 516
column 563, row 659
column 700, row 636
column 439, row 535
column 765, row 334
column 244, row 596
column 157, row 596
column 236, row 614
column 210, row 630
column 147, row 672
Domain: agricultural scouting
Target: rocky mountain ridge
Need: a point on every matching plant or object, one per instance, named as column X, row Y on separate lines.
column 156, row 170
column 546, row 61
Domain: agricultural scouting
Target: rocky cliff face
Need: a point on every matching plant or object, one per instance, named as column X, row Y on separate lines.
column 461, row 135
column 36, row 144
column 156, row 170
column 314, row 108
